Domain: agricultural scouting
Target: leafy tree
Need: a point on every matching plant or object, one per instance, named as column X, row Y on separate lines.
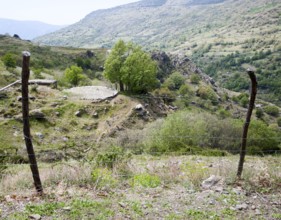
column 73, row 75
column 115, row 62
column 131, row 67
column 9, row 60
column 139, row 71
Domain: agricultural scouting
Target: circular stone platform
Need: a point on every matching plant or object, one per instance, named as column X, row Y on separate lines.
column 92, row 92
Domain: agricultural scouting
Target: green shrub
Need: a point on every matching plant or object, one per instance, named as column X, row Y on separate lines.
column 193, row 133
column 9, row 60
column 102, row 177
column 262, row 139
column 207, row 93
column 111, row 157
column 146, row 180
column 167, row 95
column 195, row 79
column 259, row 113
column 242, row 99
column 175, row 81
column 196, row 172
column 37, row 73
column 223, row 113
column 184, row 90
column 73, row 75
column 45, row 209
column 272, row 110
column 279, row 121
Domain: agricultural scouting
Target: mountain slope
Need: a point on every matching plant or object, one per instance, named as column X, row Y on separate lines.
column 170, row 24
column 213, row 33
column 26, row 29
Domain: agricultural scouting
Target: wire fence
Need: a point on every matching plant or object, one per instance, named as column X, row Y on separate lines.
column 185, row 137
column 153, row 154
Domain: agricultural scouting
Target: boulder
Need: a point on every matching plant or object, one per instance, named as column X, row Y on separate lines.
column 139, row 107
column 39, row 135
column 95, row 115
column 211, row 181
column 78, row 113
column 37, row 114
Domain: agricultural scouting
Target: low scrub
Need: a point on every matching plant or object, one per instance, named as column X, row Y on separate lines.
column 202, row 133
column 146, row 180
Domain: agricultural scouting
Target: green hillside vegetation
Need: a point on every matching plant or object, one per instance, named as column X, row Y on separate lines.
column 222, row 37
column 60, row 133
column 133, row 155
column 49, row 62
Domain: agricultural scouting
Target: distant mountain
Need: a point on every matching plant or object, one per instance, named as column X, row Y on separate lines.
column 26, row 29
column 170, row 24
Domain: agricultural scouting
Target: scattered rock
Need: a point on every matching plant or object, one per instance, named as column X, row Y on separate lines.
column 139, row 107
column 32, row 98
column 211, row 181
column 237, row 190
column 123, row 205
column 39, row 135
column 64, row 97
column 57, row 113
column 173, row 107
column 37, row 114
column 55, row 104
column 219, row 189
column 78, row 113
column 257, row 212
column 95, row 115
column 67, row 208
column 240, row 207
column 35, row 216
column 3, row 95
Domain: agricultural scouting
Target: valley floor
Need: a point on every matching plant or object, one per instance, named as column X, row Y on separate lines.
column 146, row 187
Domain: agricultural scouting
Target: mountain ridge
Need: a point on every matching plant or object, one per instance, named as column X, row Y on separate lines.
column 26, row 29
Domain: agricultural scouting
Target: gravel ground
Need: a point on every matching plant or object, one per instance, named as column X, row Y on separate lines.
column 92, row 92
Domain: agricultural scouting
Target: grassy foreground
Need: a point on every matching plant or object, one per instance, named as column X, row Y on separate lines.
column 146, row 187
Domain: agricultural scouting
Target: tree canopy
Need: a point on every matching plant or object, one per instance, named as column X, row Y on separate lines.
column 73, row 75
column 131, row 67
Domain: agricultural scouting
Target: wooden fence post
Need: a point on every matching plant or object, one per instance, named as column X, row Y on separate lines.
column 247, row 122
column 26, row 127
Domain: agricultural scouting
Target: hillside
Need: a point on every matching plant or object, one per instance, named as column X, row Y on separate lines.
column 184, row 86
column 26, row 29
column 50, row 61
column 167, row 154
column 207, row 31
column 172, row 25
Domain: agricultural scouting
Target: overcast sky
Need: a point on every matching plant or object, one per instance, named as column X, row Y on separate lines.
column 58, row 12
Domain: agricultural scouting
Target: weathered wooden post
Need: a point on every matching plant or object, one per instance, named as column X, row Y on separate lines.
column 26, row 127
column 248, row 120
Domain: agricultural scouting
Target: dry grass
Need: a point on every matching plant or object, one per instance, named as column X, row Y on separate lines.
column 260, row 173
